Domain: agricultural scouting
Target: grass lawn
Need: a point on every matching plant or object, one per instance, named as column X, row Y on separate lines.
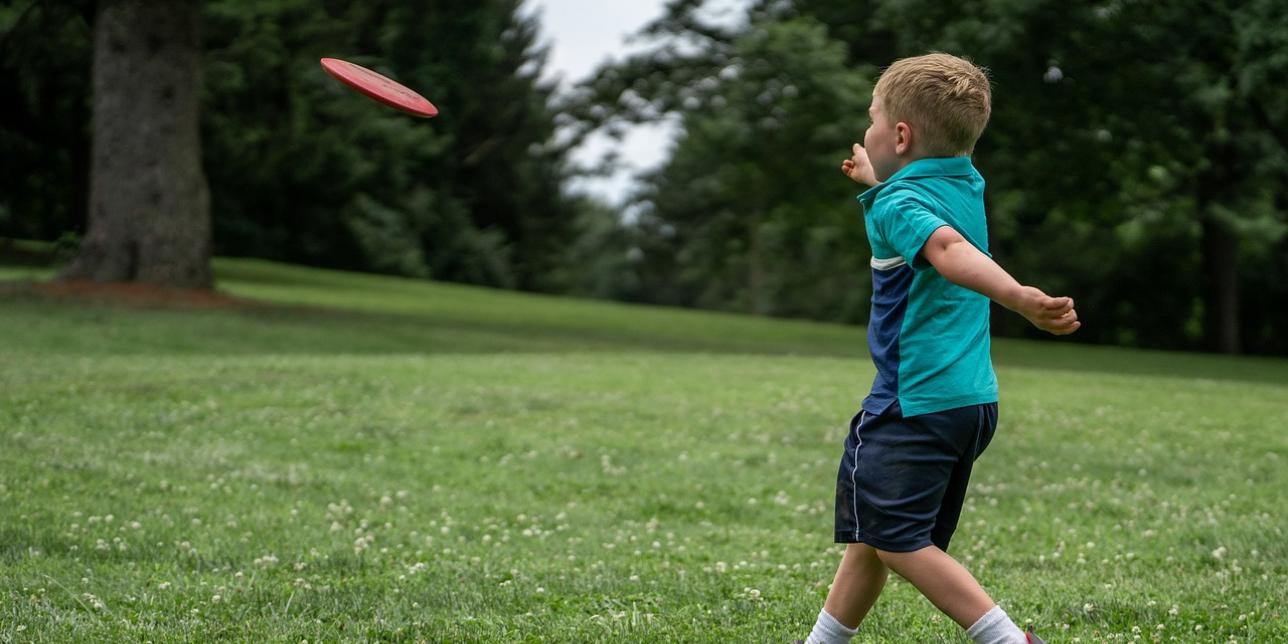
column 364, row 458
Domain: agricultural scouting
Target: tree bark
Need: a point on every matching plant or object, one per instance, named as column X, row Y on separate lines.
column 1221, row 287
column 1219, row 246
column 149, row 205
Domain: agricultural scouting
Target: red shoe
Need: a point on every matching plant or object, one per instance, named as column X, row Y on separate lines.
column 1033, row 639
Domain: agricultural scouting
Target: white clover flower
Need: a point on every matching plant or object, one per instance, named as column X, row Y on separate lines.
column 165, row 585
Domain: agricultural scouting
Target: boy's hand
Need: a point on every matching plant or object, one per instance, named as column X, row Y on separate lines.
column 1051, row 314
column 859, row 168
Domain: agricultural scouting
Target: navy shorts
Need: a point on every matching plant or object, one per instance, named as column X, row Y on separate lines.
column 902, row 481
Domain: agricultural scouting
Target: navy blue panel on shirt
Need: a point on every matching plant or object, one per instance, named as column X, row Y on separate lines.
column 891, row 283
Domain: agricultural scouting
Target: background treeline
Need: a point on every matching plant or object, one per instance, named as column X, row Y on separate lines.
column 299, row 168
column 1136, row 157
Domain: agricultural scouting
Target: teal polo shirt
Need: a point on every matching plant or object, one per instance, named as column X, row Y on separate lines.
column 928, row 337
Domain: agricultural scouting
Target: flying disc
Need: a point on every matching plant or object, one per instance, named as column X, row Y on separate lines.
column 379, row 87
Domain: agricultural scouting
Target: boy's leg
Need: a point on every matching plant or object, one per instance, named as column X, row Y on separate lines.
column 953, row 590
column 858, row 583
column 949, row 586
column 861, row 575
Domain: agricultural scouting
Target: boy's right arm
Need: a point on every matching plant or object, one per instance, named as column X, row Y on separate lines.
column 961, row 263
column 859, row 168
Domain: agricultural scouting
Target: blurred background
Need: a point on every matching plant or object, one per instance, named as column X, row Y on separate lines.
column 1136, row 158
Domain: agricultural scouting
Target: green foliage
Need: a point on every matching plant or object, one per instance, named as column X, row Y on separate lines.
column 737, row 218
column 1135, row 149
column 1130, row 137
column 45, row 51
column 1128, row 140
column 303, row 169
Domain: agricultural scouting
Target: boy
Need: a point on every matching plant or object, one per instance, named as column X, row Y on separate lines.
column 933, row 405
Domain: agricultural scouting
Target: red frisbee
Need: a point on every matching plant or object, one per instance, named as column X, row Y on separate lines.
column 381, row 88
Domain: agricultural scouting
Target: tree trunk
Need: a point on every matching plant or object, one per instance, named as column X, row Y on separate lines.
column 1221, row 285
column 149, row 206
column 1220, row 248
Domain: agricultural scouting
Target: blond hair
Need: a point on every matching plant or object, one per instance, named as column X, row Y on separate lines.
column 946, row 98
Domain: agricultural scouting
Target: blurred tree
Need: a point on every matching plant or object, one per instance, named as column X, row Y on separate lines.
column 305, row 170
column 601, row 260
column 46, row 49
column 1136, row 155
column 742, row 221
column 750, row 213
column 301, row 168
column 149, row 208
column 1142, row 139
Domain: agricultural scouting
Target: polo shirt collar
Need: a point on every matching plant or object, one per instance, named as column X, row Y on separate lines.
column 921, row 168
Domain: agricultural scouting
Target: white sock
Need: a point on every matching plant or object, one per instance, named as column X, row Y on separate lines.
column 829, row 631
column 995, row 627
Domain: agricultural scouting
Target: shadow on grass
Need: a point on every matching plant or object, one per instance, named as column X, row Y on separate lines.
column 54, row 322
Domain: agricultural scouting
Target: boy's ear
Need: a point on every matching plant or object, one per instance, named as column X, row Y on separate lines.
column 902, row 138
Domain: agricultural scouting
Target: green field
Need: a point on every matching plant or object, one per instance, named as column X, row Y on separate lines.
column 349, row 457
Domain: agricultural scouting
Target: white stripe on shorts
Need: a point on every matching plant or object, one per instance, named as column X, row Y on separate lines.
column 854, row 488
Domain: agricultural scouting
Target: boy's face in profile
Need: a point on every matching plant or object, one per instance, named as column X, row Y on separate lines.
column 884, row 141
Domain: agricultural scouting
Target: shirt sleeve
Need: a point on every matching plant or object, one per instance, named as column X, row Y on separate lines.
column 905, row 223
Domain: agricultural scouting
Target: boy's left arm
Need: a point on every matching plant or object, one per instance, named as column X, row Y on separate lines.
column 961, row 263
